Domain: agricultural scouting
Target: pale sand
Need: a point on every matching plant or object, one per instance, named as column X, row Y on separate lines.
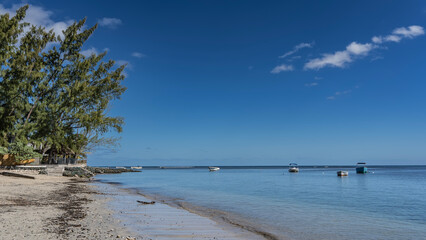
column 50, row 207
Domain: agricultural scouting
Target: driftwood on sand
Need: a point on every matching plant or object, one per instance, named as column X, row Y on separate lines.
column 143, row 202
column 9, row 174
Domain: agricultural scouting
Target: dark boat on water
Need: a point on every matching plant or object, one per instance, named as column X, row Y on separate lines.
column 361, row 168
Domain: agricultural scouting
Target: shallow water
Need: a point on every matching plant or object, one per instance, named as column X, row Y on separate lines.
column 388, row 203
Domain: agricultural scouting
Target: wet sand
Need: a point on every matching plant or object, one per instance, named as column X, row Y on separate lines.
column 51, row 207
column 163, row 221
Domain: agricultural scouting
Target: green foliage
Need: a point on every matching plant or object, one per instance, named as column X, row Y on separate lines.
column 22, row 151
column 4, row 150
column 52, row 96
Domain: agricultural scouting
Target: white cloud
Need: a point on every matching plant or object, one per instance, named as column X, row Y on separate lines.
column 356, row 50
column 40, row 17
column 138, row 55
column 410, row 32
column 318, row 78
column 399, row 33
column 331, row 98
column 340, row 58
column 376, row 39
column 359, row 49
column 388, row 38
column 337, row 59
column 282, row 68
column 392, row 38
column 297, row 48
column 89, row 52
column 110, row 22
column 313, row 84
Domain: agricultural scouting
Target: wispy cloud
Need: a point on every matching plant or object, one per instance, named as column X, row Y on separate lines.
column 291, row 59
column 357, row 50
column 340, row 58
column 110, row 22
column 40, row 17
column 89, row 52
column 312, row 84
column 138, row 55
column 341, row 93
column 336, row 94
column 297, row 48
column 282, row 68
column 129, row 66
column 123, row 62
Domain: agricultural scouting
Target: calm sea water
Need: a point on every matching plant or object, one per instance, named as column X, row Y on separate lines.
column 388, row 203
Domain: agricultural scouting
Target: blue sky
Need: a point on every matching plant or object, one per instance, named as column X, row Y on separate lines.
column 260, row 82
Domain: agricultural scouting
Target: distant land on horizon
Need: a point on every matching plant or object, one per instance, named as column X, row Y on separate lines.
column 262, row 166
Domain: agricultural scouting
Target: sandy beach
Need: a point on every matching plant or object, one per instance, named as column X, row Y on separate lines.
column 53, row 207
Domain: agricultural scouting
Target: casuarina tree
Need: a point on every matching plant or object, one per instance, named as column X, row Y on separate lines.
column 52, row 97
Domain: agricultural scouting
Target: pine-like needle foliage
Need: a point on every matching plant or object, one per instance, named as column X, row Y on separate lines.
column 52, row 96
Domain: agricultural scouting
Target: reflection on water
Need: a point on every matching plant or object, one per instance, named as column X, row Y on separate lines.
column 312, row 204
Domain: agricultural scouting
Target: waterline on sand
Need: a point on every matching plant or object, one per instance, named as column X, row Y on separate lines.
column 169, row 219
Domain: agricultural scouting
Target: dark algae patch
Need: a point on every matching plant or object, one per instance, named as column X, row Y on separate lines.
column 71, row 200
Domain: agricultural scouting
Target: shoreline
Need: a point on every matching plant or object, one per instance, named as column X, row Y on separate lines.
column 167, row 220
column 56, row 207
column 223, row 218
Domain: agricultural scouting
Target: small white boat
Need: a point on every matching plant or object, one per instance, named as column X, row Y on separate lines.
column 342, row 173
column 293, row 168
column 136, row 167
column 212, row 169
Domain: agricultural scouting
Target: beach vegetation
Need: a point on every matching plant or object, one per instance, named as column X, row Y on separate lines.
column 20, row 151
column 53, row 99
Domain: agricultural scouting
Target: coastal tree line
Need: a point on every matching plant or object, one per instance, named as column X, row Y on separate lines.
column 54, row 100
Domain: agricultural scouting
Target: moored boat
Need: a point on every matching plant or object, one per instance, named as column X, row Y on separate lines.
column 361, row 168
column 137, row 167
column 293, row 168
column 342, row 173
column 212, row 169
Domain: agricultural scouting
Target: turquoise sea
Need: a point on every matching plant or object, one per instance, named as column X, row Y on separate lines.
column 387, row 203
